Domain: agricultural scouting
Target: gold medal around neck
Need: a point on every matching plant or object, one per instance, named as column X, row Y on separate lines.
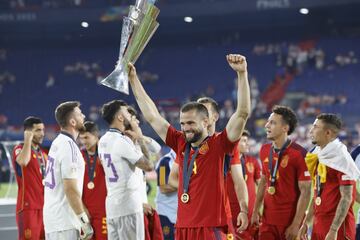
column 90, row 185
column 318, row 201
column 185, row 198
column 271, row 190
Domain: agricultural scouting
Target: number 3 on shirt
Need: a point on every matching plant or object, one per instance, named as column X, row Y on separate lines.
column 110, row 164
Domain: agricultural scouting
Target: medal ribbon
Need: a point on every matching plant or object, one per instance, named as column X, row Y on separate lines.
column 91, row 167
column 274, row 171
column 318, row 185
column 41, row 161
column 242, row 159
column 188, row 171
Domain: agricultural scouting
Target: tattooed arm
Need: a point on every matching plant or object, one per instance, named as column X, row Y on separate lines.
column 341, row 211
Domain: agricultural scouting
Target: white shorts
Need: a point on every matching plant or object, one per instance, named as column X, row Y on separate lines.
column 126, row 227
column 72, row 234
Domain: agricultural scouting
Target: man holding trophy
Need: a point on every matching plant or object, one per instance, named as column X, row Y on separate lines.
column 201, row 193
column 201, row 208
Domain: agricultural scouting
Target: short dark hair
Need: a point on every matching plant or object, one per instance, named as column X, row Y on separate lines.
column 91, row 127
column 331, row 121
column 198, row 107
column 63, row 112
column 110, row 109
column 213, row 103
column 288, row 116
column 245, row 133
column 30, row 121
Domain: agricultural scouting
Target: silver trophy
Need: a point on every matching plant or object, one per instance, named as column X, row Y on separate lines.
column 138, row 28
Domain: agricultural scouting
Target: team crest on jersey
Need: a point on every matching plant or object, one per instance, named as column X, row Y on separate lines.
column 166, row 230
column 204, row 148
column 34, row 156
column 250, row 167
column 27, row 233
column 266, row 160
column 284, row 161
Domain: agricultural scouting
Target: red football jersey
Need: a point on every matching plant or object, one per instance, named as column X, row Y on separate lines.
column 253, row 173
column 206, row 207
column 94, row 199
column 29, row 180
column 330, row 196
column 280, row 208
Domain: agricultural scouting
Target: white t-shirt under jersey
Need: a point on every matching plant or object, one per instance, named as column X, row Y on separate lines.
column 65, row 162
column 118, row 156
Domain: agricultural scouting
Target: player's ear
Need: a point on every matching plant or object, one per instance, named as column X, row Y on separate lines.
column 72, row 122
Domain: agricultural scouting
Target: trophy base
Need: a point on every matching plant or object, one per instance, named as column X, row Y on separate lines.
column 117, row 80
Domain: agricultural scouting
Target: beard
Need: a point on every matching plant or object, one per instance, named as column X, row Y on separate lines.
column 314, row 142
column 80, row 127
column 127, row 124
column 196, row 137
column 38, row 141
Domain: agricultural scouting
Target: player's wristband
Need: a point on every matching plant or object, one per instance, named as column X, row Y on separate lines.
column 83, row 218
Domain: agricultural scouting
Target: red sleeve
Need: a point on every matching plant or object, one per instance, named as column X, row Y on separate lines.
column 263, row 155
column 235, row 157
column 301, row 168
column 172, row 140
column 257, row 173
column 343, row 178
column 16, row 151
column 227, row 145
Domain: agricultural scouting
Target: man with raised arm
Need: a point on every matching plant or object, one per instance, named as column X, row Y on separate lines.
column 200, row 156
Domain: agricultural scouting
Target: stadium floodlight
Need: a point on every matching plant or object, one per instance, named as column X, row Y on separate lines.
column 304, row 11
column 84, row 24
column 138, row 28
column 188, row 19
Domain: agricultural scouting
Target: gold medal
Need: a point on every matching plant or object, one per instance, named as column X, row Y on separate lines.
column 318, row 201
column 271, row 190
column 185, row 198
column 90, row 185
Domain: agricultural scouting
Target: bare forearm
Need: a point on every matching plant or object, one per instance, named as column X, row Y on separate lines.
column 144, row 148
column 310, row 213
column 243, row 96
column 342, row 207
column 242, row 195
column 146, row 105
column 302, row 204
column 74, row 200
column 260, row 195
column 24, row 156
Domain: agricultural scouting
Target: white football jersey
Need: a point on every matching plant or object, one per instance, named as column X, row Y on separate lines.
column 118, row 155
column 65, row 162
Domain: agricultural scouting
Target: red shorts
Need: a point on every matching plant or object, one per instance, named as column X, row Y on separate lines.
column 30, row 224
column 322, row 227
column 98, row 222
column 208, row 233
column 271, row 232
